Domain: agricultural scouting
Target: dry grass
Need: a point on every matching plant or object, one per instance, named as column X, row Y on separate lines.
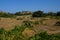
column 28, row 33
column 8, row 23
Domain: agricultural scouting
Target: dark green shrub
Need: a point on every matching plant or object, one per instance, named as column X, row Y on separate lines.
column 58, row 13
column 2, row 34
column 4, row 14
column 18, row 13
column 57, row 23
column 27, row 23
column 37, row 14
column 57, row 17
column 45, row 36
column 18, row 29
column 36, row 22
column 16, row 34
column 2, row 31
column 19, row 18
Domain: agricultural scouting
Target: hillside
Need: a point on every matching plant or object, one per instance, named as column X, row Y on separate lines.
column 46, row 25
column 30, row 26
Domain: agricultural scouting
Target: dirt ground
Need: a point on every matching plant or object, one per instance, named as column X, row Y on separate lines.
column 9, row 23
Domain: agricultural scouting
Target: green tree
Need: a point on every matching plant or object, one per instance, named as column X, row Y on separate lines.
column 51, row 14
column 18, row 13
column 37, row 14
column 58, row 13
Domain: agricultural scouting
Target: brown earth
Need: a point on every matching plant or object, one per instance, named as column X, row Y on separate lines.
column 9, row 23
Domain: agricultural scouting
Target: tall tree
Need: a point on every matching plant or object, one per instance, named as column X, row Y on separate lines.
column 37, row 14
column 51, row 14
column 18, row 13
column 58, row 13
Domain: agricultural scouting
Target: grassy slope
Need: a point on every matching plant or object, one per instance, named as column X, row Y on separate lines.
column 9, row 23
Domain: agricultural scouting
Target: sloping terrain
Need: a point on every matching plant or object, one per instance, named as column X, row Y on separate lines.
column 9, row 23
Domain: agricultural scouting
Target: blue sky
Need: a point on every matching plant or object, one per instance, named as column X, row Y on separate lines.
column 29, row 5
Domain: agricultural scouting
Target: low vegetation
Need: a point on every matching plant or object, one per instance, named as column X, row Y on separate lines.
column 34, row 14
column 26, row 30
column 57, row 23
column 16, row 34
column 28, row 24
column 45, row 36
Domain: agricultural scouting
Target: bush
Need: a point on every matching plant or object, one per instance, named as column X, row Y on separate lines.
column 57, row 23
column 27, row 23
column 36, row 22
column 58, row 13
column 14, row 34
column 37, row 14
column 45, row 36
column 4, row 14
column 57, row 17
column 19, row 18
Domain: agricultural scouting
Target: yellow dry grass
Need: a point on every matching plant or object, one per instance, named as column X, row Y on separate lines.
column 9, row 23
column 28, row 33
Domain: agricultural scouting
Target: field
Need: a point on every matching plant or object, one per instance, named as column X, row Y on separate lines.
column 9, row 23
column 32, row 26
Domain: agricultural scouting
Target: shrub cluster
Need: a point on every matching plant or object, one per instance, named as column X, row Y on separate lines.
column 34, row 14
column 28, row 24
column 57, row 23
column 14, row 34
column 4, row 14
column 45, row 36
column 41, row 14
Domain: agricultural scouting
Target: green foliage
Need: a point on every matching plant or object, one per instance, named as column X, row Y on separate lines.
column 19, row 18
column 51, row 14
column 4, row 14
column 57, row 17
column 36, row 22
column 1, row 31
column 37, row 14
column 34, row 14
column 57, row 23
column 14, row 34
column 58, row 13
column 23, row 13
column 27, row 23
column 45, row 36
column 41, row 14
column 18, row 13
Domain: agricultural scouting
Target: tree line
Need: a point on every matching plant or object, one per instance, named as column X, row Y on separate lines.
column 42, row 14
column 34, row 14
